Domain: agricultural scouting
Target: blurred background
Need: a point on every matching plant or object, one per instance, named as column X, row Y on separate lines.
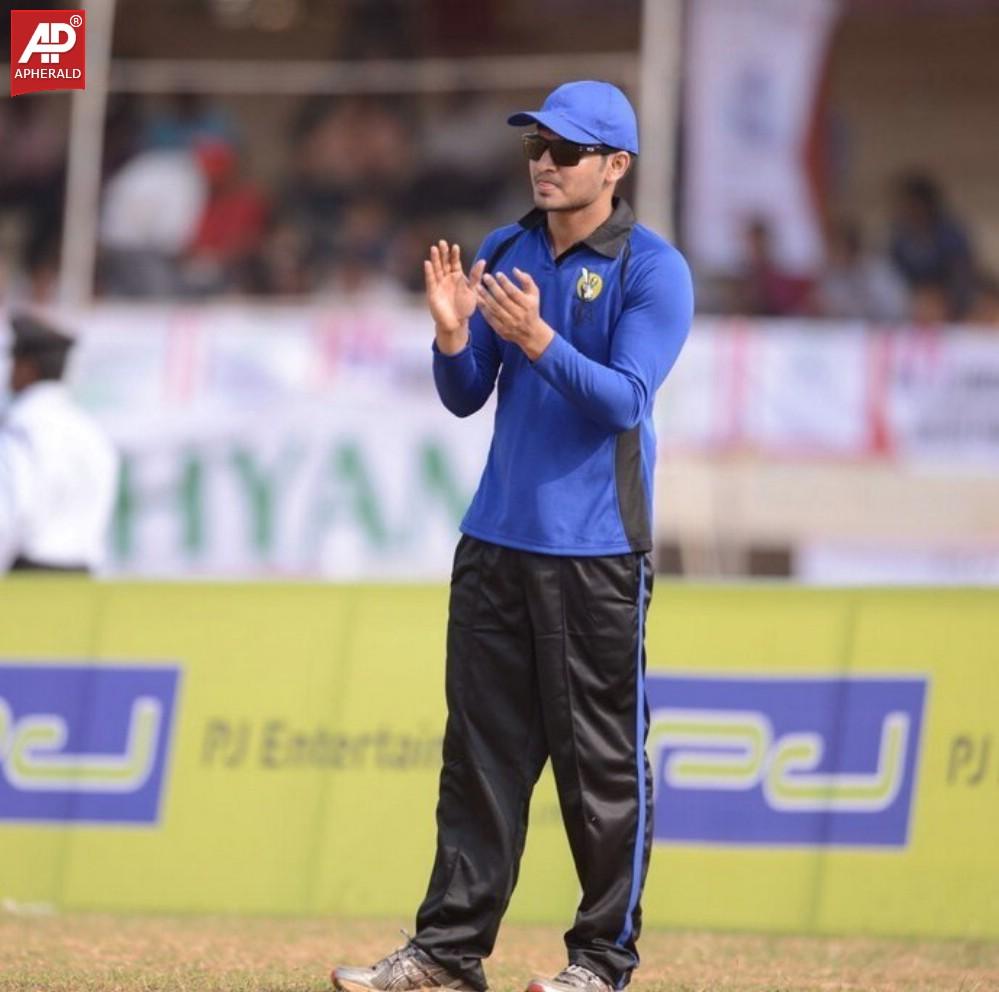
column 232, row 218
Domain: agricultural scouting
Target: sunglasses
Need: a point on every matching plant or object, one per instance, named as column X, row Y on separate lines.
column 563, row 152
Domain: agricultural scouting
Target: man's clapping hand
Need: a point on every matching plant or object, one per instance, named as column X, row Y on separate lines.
column 451, row 296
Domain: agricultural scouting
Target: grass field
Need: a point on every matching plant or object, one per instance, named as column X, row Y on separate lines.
column 100, row 953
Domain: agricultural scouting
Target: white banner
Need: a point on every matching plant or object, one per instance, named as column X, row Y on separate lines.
column 279, row 442
column 810, row 389
column 306, row 443
column 339, row 488
column 851, row 565
column 942, row 397
column 785, row 388
column 752, row 74
column 282, row 442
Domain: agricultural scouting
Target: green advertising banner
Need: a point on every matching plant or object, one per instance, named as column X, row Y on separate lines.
column 824, row 761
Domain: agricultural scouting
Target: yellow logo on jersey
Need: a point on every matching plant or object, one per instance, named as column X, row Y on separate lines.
column 589, row 285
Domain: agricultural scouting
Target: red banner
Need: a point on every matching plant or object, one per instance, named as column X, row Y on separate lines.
column 48, row 50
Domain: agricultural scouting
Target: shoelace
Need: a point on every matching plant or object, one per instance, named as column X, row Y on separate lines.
column 408, row 951
column 399, row 952
column 576, row 974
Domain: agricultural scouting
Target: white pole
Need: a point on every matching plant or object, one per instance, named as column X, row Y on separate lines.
column 660, row 72
column 86, row 140
column 659, row 112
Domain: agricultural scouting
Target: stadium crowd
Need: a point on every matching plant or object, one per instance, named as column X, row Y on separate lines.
column 365, row 184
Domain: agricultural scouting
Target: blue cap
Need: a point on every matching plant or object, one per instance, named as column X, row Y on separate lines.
column 587, row 112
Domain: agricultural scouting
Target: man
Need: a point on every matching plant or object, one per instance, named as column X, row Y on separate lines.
column 578, row 313
column 150, row 215
column 930, row 247
column 58, row 472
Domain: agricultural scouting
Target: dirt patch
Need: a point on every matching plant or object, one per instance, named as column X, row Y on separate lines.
column 104, row 953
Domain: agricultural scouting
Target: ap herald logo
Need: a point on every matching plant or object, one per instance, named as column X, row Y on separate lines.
column 84, row 743
column 803, row 761
column 47, row 50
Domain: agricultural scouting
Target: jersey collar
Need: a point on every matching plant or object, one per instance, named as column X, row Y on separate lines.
column 43, row 391
column 608, row 239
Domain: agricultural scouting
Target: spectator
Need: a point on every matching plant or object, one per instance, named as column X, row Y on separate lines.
column 326, row 170
column 32, row 180
column 152, row 207
column 858, row 285
column 929, row 246
column 352, row 175
column 357, row 266
column 283, row 266
column 185, row 121
column 123, row 125
column 356, row 279
column 410, row 246
column 473, row 180
column 986, row 309
column 231, row 227
column 764, row 289
column 931, row 304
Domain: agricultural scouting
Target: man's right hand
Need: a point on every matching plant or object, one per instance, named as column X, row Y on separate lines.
column 451, row 296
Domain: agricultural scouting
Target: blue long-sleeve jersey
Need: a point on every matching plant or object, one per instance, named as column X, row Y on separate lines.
column 571, row 464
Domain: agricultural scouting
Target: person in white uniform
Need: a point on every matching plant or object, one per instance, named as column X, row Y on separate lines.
column 58, row 469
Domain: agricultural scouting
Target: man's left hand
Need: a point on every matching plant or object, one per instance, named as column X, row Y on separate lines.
column 514, row 312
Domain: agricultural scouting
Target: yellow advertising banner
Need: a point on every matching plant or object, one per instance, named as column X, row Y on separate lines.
column 824, row 761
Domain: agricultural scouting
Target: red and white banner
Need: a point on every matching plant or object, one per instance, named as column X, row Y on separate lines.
column 810, row 389
column 753, row 72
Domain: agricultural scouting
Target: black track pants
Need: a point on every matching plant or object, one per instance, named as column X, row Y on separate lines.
column 545, row 657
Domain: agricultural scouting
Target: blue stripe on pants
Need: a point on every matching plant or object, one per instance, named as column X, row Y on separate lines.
column 636, row 864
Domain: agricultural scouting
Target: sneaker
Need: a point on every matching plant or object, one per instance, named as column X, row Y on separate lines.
column 407, row 969
column 575, row 978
